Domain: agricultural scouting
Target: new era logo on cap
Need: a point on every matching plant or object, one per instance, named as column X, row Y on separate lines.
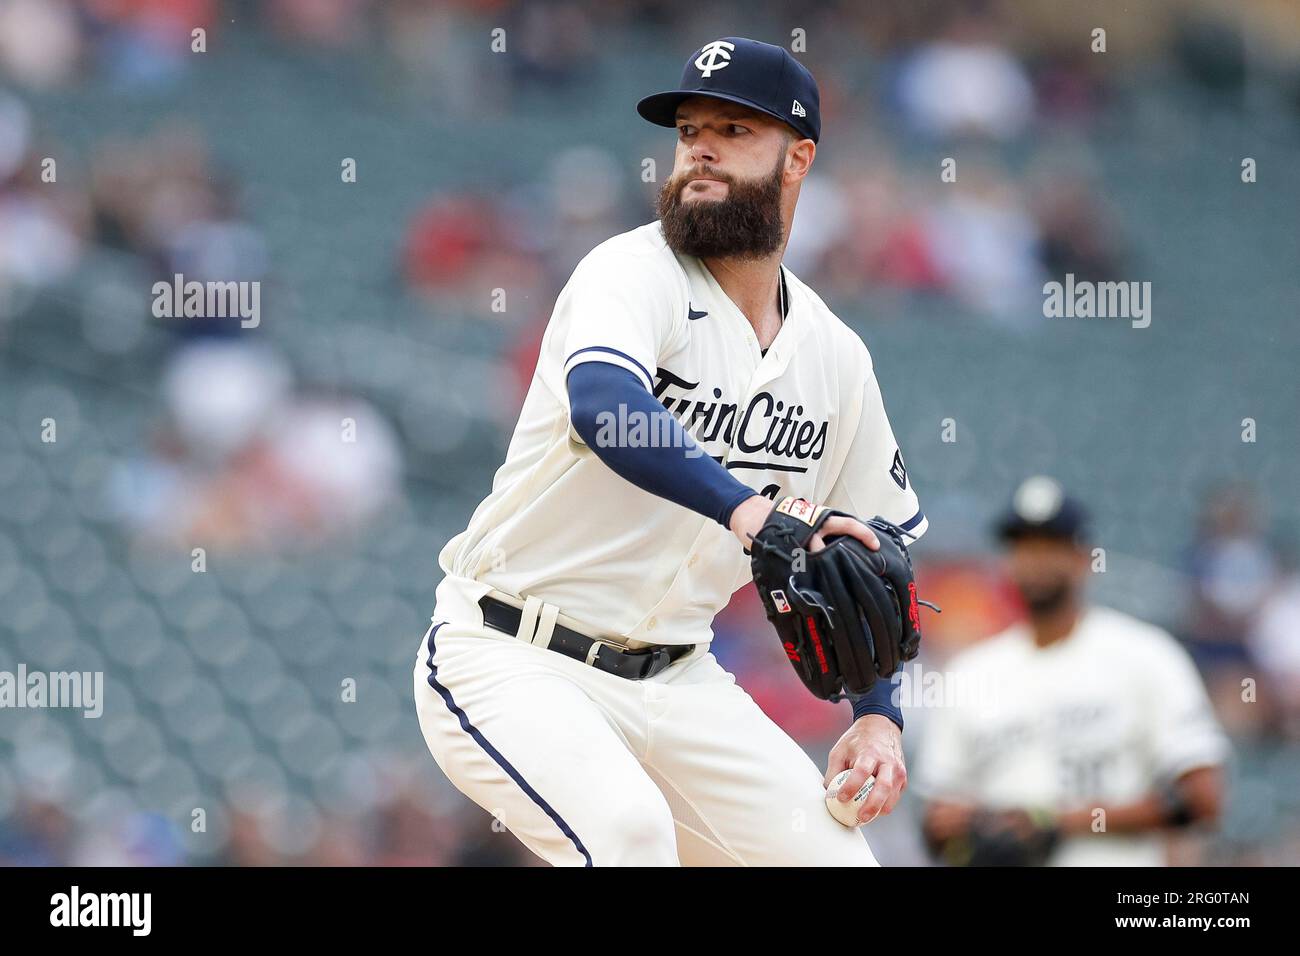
column 798, row 110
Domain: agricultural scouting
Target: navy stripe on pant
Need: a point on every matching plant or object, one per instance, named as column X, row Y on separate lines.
column 502, row 762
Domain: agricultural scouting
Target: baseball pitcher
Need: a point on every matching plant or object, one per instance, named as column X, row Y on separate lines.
column 698, row 419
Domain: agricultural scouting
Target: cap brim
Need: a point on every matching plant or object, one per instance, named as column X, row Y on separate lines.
column 661, row 108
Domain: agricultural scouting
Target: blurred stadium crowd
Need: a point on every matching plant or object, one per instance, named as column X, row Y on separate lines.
column 479, row 171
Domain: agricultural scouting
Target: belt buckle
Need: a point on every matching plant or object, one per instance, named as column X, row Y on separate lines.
column 651, row 659
column 596, row 645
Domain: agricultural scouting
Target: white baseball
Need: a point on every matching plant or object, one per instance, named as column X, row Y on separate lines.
column 847, row 813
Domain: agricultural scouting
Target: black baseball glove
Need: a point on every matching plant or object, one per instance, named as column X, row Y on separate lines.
column 846, row 615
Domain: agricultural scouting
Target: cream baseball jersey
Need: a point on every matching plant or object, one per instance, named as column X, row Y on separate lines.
column 805, row 419
column 1063, row 726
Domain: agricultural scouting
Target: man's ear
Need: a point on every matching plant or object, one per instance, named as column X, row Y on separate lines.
column 799, row 159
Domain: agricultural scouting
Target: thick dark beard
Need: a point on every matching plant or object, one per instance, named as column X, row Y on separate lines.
column 1046, row 601
column 745, row 225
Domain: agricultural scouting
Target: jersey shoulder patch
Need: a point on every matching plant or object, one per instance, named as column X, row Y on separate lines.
column 898, row 471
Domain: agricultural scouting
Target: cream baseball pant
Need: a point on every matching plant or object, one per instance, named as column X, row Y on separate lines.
column 590, row 769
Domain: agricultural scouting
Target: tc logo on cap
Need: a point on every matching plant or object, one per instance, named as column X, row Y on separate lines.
column 714, row 56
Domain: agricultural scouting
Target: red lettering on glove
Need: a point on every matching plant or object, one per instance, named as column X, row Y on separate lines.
column 817, row 644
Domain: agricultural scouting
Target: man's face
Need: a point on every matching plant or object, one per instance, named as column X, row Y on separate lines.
column 724, row 196
column 1048, row 572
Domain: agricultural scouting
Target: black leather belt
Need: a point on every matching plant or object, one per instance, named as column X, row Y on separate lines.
column 633, row 665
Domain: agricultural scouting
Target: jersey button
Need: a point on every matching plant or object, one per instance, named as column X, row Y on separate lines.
column 650, row 625
column 694, row 560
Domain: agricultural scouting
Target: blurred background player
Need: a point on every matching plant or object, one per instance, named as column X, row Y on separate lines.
column 1075, row 737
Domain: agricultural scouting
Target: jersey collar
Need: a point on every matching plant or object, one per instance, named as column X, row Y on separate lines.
column 793, row 323
column 793, row 328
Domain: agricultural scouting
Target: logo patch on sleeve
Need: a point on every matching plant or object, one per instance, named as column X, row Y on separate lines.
column 898, row 471
column 781, row 602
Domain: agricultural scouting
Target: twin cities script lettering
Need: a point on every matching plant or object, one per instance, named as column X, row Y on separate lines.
column 766, row 425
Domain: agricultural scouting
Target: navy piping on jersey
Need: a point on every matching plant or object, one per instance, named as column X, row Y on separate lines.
column 912, row 522
column 495, row 754
column 603, row 348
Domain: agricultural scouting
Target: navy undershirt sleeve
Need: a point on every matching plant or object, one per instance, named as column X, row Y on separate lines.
column 681, row 472
column 879, row 701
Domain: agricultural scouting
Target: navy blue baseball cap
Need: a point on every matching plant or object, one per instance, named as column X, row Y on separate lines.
column 1041, row 508
column 758, row 75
